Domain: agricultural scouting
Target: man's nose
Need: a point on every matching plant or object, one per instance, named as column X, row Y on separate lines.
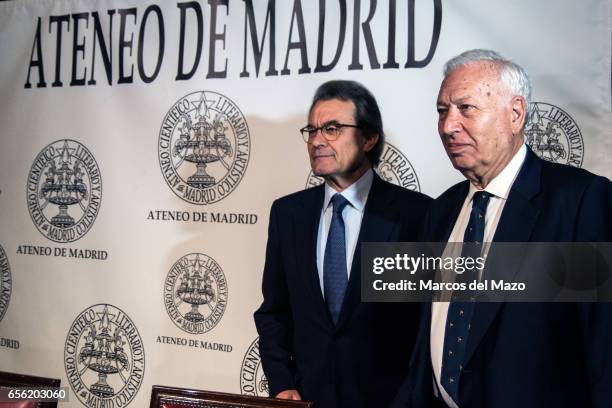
column 317, row 139
column 450, row 123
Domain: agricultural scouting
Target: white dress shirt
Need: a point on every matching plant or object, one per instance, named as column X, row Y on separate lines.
column 499, row 188
column 352, row 214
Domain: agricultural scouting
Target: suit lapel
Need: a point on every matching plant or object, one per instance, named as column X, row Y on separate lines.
column 378, row 225
column 515, row 225
column 306, row 224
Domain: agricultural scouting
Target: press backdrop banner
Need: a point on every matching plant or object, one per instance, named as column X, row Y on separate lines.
column 143, row 142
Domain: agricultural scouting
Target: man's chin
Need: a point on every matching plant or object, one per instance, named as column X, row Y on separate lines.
column 461, row 163
column 321, row 172
column 322, row 169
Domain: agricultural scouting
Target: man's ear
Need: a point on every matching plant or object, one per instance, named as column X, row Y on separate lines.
column 519, row 113
column 370, row 142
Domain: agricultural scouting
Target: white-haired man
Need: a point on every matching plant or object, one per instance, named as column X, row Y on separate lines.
column 509, row 355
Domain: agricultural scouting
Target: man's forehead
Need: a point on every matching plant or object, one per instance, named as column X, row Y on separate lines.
column 470, row 80
column 482, row 67
column 474, row 73
column 455, row 98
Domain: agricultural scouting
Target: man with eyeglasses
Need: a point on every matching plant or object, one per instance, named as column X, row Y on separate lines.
column 318, row 342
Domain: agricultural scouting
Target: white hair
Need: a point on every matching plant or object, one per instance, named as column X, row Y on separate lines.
column 512, row 75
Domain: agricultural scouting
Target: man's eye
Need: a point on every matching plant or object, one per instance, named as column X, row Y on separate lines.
column 330, row 129
column 466, row 107
column 442, row 110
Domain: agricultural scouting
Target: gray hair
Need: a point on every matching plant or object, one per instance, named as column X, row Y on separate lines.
column 512, row 75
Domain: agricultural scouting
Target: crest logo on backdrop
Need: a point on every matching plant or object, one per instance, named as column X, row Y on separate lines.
column 104, row 357
column 554, row 135
column 195, row 293
column 394, row 167
column 252, row 378
column 64, row 191
column 5, row 283
column 204, row 147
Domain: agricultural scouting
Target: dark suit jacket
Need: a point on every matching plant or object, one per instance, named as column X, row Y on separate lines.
column 529, row 354
column 362, row 361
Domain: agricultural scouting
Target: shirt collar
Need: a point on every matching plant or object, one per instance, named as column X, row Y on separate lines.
column 356, row 194
column 501, row 184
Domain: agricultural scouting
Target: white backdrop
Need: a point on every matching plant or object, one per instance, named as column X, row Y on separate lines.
column 132, row 253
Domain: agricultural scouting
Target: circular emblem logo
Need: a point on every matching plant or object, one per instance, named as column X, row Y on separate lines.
column 104, row 357
column 553, row 135
column 195, row 293
column 5, row 283
column 252, row 378
column 64, row 191
column 204, row 147
column 394, row 167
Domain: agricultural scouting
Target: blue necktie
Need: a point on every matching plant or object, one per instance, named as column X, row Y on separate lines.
column 460, row 313
column 335, row 276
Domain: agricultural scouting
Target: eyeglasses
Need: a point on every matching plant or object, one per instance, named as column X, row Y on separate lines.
column 330, row 131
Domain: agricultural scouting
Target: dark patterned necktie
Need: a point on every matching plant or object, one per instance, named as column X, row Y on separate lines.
column 460, row 313
column 335, row 276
